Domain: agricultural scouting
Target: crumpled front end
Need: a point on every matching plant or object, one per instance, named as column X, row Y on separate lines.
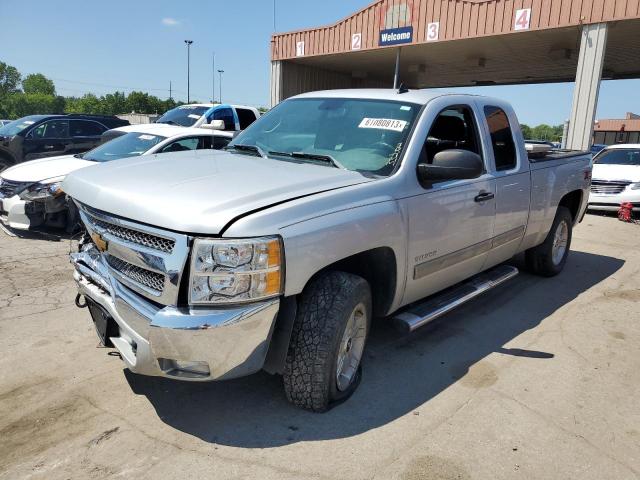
column 21, row 214
column 130, row 276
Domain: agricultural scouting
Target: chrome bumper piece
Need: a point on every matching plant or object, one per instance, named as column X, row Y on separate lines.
column 194, row 344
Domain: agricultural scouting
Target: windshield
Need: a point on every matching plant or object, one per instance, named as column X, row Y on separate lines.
column 619, row 157
column 130, row 145
column 185, row 115
column 15, row 127
column 356, row 134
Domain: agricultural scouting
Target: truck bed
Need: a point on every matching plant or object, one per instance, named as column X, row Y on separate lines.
column 557, row 155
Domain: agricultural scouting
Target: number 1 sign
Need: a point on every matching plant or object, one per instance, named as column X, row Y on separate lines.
column 300, row 49
column 522, row 19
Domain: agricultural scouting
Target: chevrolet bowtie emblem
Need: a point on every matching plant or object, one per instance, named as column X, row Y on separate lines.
column 100, row 242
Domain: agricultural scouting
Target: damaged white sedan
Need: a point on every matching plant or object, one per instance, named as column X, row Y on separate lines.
column 30, row 193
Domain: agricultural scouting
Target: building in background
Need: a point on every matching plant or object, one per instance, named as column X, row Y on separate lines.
column 610, row 131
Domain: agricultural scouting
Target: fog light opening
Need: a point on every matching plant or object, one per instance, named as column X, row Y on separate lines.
column 184, row 369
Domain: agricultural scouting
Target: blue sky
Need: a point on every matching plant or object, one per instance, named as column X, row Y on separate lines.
column 99, row 47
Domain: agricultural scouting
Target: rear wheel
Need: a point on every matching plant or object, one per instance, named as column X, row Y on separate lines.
column 323, row 364
column 548, row 258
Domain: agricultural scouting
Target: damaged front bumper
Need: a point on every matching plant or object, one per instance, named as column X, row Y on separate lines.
column 197, row 344
column 21, row 214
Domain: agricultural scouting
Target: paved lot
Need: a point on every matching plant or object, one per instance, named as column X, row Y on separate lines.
column 538, row 380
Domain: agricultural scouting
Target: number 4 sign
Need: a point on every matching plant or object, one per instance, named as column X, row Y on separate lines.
column 300, row 49
column 356, row 41
column 433, row 30
column 522, row 19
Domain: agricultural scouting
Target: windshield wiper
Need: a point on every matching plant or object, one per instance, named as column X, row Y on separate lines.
column 247, row 148
column 317, row 156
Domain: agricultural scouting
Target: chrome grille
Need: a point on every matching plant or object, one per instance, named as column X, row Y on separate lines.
column 608, row 187
column 9, row 188
column 142, row 276
column 135, row 236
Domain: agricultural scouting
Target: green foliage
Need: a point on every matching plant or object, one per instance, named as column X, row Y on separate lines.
column 38, row 83
column 21, row 104
column 9, row 80
column 542, row 132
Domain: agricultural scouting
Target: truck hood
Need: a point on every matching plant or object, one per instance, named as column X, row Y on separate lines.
column 200, row 191
column 616, row 172
column 45, row 168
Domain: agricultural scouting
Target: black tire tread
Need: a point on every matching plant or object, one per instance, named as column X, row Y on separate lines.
column 538, row 259
column 308, row 371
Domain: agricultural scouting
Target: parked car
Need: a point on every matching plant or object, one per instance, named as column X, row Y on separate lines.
column 30, row 194
column 4, row 122
column 616, row 178
column 40, row 136
column 235, row 117
column 331, row 209
column 597, row 147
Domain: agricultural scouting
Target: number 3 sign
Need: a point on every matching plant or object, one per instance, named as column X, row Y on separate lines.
column 522, row 19
column 433, row 29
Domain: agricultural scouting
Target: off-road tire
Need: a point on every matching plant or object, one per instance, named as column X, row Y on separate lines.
column 324, row 309
column 539, row 260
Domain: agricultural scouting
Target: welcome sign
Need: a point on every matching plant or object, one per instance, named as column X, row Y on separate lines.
column 395, row 36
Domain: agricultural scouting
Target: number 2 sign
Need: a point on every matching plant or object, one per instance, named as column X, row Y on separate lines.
column 433, row 30
column 522, row 19
column 356, row 41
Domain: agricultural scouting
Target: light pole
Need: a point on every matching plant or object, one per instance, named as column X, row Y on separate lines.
column 188, row 42
column 213, row 79
column 220, row 84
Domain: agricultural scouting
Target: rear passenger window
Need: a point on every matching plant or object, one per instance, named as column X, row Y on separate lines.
column 454, row 127
column 83, row 128
column 504, row 149
column 220, row 142
column 246, row 117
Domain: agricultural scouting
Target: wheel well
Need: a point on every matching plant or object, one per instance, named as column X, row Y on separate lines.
column 572, row 201
column 378, row 267
column 7, row 157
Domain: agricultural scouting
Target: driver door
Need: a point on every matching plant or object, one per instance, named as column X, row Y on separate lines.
column 451, row 221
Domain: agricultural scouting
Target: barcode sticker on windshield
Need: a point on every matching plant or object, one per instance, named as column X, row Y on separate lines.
column 193, row 115
column 383, row 124
column 146, row 137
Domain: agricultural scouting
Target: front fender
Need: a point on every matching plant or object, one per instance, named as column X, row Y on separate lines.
column 314, row 244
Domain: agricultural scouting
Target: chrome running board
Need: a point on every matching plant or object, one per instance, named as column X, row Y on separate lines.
column 435, row 306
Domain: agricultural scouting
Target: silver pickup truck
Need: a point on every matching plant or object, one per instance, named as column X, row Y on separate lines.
column 332, row 209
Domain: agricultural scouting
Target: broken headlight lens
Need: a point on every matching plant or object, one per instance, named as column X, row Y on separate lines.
column 40, row 191
column 235, row 271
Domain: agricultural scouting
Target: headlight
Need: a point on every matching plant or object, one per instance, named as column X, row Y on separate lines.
column 40, row 191
column 635, row 186
column 235, row 271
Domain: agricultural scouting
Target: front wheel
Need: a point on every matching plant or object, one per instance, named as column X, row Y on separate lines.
column 323, row 363
column 548, row 258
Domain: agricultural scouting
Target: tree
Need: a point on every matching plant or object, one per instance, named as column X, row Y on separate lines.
column 9, row 80
column 22, row 104
column 38, row 83
column 526, row 131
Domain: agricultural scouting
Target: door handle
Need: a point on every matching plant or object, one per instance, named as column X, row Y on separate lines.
column 483, row 197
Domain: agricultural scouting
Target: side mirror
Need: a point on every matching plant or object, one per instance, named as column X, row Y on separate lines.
column 453, row 164
column 214, row 125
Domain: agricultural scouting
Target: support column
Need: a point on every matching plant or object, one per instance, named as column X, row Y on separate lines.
column 276, row 83
column 396, row 75
column 593, row 45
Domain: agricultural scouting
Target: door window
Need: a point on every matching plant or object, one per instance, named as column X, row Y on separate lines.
column 225, row 114
column 220, row 142
column 246, row 117
column 85, row 128
column 504, row 149
column 52, row 129
column 191, row 143
column 453, row 128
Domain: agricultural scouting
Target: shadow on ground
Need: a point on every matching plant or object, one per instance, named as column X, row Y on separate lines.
column 51, row 235
column 401, row 372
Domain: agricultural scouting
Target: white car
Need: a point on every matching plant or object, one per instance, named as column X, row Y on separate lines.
column 616, row 178
column 202, row 115
column 30, row 194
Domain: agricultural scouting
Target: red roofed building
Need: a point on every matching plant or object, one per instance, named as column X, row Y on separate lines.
column 613, row 130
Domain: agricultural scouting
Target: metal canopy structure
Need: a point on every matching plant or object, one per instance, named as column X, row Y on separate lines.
column 449, row 43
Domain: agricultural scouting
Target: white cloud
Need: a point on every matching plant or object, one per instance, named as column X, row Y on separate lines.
column 170, row 22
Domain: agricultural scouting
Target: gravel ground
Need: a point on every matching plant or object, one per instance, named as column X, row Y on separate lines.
column 539, row 379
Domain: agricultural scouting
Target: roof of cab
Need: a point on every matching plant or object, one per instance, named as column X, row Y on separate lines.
column 413, row 96
column 622, row 146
